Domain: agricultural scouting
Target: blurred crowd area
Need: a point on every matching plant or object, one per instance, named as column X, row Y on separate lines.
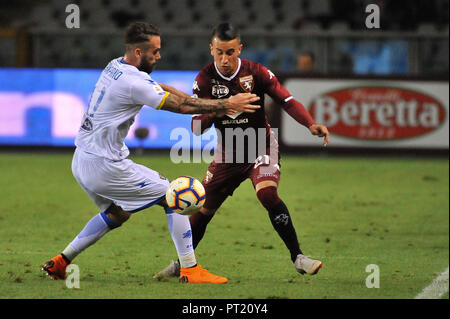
column 281, row 34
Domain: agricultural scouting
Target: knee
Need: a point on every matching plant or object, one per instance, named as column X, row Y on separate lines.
column 207, row 212
column 118, row 215
column 268, row 197
column 124, row 216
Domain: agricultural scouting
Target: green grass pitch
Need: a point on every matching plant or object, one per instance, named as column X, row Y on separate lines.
column 348, row 212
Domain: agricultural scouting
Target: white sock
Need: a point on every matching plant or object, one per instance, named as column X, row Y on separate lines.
column 180, row 230
column 188, row 260
column 95, row 229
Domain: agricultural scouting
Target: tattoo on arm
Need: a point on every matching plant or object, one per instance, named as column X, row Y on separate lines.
column 173, row 90
column 204, row 105
column 190, row 105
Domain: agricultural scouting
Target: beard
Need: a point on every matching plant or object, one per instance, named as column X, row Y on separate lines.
column 145, row 66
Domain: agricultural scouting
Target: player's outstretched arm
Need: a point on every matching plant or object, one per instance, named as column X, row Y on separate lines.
column 189, row 105
column 173, row 90
column 293, row 107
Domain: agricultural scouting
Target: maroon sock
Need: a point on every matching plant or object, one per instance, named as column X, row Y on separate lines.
column 199, row 222
column 280, row 219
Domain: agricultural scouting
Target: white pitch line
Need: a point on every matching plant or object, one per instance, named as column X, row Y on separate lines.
column 436, row 289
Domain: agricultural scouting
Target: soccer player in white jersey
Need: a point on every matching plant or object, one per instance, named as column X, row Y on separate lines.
column 117, row 185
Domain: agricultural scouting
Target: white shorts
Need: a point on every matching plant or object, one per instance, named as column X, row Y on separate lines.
column 131, row 186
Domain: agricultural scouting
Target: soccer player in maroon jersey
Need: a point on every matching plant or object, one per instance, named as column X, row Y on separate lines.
column 229, row 75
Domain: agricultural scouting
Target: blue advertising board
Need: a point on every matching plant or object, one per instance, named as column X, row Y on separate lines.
column 46, row 106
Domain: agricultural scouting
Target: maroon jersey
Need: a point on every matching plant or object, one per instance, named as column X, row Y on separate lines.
column 249, row 77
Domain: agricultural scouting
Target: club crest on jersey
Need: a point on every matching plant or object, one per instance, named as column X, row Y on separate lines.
column 86, row 124
column 219, row 90
column 247, row 83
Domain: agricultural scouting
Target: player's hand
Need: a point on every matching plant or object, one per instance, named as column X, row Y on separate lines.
column 241, row 103
column 321, row 131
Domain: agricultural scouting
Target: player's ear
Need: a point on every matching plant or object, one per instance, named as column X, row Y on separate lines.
column 211, row 49
column 137, row 52
column 240, row 48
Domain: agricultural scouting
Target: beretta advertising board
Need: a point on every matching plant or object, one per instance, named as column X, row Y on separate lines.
column 371, row 113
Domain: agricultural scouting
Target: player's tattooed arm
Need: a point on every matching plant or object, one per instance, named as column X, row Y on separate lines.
column 181, row 94
column 173, row 90
column 189, row 105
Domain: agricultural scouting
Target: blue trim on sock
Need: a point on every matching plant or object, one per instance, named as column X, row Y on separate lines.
column 148, row 205
column 111, row 224
column 168, row 211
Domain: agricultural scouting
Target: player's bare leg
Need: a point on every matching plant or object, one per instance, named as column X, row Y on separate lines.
column 280, row 218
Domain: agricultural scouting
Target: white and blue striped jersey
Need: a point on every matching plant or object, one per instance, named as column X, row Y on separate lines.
column 119, row 95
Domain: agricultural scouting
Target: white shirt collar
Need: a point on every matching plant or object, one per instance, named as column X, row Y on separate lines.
column 232, row 76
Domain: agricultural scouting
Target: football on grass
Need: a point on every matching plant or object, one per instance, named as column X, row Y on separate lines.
column 185, row 195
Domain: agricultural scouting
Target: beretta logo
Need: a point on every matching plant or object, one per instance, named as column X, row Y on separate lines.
column 219, row 90
column 378, row 113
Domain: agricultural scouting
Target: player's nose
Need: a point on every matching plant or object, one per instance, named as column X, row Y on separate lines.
column 224, row 60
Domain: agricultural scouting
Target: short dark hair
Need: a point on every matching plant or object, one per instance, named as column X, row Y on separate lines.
column 138, row 32
column 225, row 32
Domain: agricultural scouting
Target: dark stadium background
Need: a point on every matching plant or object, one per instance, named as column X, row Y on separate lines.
column 41, row 54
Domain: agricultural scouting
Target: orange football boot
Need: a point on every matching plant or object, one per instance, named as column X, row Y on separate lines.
column 56, row 268
column 199, row 275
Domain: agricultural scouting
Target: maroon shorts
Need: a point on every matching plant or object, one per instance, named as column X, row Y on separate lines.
column 222, row 179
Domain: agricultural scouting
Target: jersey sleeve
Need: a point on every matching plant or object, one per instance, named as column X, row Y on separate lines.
column 272, row 86
column 283, row 97
column 200, row 86
column 148, row 92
